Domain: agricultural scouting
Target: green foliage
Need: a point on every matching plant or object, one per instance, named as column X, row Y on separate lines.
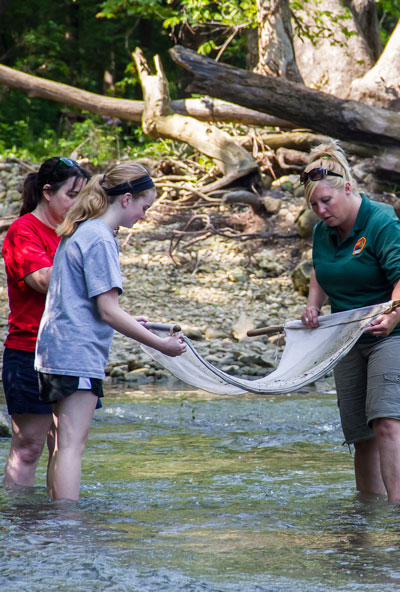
column 145, row 9
column 83, row 43
column 68, row 42
column 388, row 14
column 21, row 124
column 223, row 24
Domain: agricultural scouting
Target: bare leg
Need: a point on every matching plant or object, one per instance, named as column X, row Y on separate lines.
column 51, row 444
column 73, row 415
column 387, row 435
column 367, row 468
column 28, row 437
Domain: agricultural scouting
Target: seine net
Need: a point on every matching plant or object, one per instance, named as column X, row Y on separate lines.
column 308, row 355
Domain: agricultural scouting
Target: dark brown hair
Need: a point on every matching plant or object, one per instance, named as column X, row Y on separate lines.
column 52, row 172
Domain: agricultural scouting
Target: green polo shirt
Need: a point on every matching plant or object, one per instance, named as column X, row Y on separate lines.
column 363, row 268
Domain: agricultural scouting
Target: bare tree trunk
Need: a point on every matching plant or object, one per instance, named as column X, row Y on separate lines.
column 275, row 41
column 204, row 109
column 381, row 85
column 251, row 48
column 366, row 17
column 160, row 121
column 336, row 52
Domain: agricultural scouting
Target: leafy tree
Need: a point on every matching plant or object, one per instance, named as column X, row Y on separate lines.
column 71, row 42
column 389, row 13
column 88, row 44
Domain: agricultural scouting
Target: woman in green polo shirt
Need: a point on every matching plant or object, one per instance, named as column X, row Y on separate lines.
column 356, row 260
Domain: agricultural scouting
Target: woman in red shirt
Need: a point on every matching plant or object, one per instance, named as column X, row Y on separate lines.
column 29, row 248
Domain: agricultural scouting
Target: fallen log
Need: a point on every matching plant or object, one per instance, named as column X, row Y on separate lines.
column 160, row 121
column 306, row 140
column 203, row 109
column 307, row 108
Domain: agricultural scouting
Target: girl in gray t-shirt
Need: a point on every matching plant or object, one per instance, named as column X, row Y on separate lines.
column 82, row 311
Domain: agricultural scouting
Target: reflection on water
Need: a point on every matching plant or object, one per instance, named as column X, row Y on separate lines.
column 185, row 491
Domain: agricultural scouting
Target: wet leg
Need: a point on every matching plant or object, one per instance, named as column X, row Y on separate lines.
column 368, row 468
column 73, row 416
column 29, row 433
column 387, row 436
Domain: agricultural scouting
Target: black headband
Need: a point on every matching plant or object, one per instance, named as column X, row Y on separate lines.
column 135, row 186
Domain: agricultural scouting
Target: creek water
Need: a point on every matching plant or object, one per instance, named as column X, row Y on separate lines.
column 187, row 491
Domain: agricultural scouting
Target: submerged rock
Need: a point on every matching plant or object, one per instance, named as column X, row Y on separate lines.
column 5, row 426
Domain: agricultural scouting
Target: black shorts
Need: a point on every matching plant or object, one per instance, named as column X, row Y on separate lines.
column 54, row 387
column 21, row 383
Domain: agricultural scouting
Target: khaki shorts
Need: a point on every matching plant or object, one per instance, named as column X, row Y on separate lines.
column 368, row 386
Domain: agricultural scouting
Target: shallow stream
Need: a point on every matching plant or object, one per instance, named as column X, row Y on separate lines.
column 186, row 491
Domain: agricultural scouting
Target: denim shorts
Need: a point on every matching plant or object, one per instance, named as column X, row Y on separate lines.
column 21, row 384
column 54, row 387
column 368, row 386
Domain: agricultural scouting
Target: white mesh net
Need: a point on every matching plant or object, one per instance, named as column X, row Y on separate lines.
column 308, row 355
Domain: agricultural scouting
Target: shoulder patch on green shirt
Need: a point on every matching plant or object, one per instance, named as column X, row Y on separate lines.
column 360, row 244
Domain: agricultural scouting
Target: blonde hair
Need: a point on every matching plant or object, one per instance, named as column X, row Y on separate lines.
column 93, row 200
column 329, row 156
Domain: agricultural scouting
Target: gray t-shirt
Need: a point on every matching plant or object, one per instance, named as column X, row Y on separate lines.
column 73, row 339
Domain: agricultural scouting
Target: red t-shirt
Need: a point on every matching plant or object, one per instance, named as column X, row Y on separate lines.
column 28, row 246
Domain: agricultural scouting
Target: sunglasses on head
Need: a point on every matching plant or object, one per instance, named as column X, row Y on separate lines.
column 316, row 175
column 67, row 161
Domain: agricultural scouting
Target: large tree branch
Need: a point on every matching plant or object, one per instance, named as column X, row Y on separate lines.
column 204, row 109
column 348, row 120
column 159, row 120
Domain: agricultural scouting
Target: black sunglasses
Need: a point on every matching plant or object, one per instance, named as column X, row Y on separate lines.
column 67, row 161
column 316, row 175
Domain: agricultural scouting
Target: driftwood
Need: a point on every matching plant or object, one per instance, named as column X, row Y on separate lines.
column 6, row 222
column 307, row 108
column 159, row 120
column 203, row 109
column 247, row 198
column 305, row 140
column 356, row 123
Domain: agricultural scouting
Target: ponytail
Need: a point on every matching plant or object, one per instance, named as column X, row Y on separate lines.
column 103, row 190
column 91, row 203
column 31, row 194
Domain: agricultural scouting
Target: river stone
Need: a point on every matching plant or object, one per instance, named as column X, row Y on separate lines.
column 214, row 333
column 231, row 369
column 139, row 376
column 301, row 276
column 237, row 274
column 117, row 372
column 266, row 260
column 306, row 222
column 249, row 359
column 267, row 362
column 299, row 191
column 13, row 195
column 192, row 332
column 240, row 328
column 5, row 426
column 135, row 363
column 278, row 340
column 272, row 205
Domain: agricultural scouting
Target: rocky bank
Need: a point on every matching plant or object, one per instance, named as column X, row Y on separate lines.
column 232, row 286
